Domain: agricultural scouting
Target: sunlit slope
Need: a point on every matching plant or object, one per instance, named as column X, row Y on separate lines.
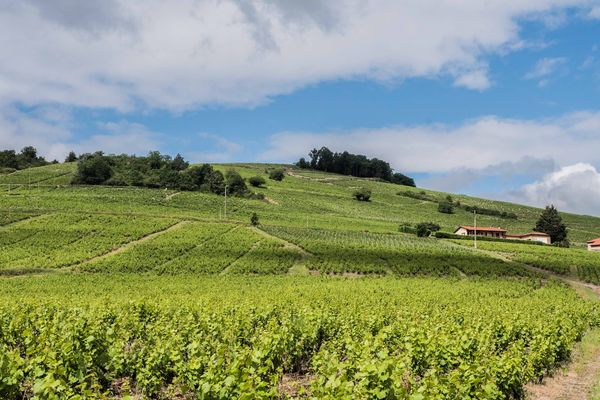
column 303, row 199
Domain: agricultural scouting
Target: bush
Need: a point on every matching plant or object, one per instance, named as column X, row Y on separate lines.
column 72, row 157
column 446, row 207
column 235, row 183
column 277, row 174
column 406, row 228
column 254, row 219
column 362, row 194
column 257, row 181
column 425, row 229
column 93, row 169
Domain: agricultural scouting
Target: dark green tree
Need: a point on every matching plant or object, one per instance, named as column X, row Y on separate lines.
column 446, row 207
column 93, row 169
column 235, row 183
column 254, row 219
column 72, row 157
column 425, row 229
column 362, row 194
column 257, row 181
column 277, row 174
column 550, row 222
column 215, row 182
column 179, row 164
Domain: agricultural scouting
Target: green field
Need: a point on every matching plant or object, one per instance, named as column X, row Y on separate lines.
column 109, row 292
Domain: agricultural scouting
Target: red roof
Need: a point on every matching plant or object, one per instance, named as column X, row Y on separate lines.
column 482, row 229
column 594, row 242
column 521, row 235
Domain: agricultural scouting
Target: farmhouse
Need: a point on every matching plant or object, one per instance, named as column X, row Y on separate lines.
column 480, row 231
column 501, row 234
column 532, row 236
column 594, row 245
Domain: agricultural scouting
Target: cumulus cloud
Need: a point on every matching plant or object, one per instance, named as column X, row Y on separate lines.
column 50, row 130
column 438, row 148
column 573, row 188
column 122, row 54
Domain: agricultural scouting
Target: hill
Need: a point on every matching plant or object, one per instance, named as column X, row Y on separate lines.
column 156, row 294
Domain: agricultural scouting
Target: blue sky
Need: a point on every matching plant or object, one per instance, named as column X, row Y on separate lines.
column 497, row 99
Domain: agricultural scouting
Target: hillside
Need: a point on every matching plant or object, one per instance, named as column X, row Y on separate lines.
column 156, row 293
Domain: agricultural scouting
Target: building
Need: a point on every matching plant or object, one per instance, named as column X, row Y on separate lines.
column 480, row 231
column 594, row 245
column 532, row 236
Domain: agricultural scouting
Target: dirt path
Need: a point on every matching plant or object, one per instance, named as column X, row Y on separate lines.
column 129, row 245
column 299, row 267
column 170, row 196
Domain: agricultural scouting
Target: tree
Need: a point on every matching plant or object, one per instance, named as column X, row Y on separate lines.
column 200, row 174
column 446, row 207
column 93, row 169
column 215, row 182
column 362, row 194
column 72, row 157
column 254, row 219
column 550, row 222
column 235, row 183
column 179, row 164
column 302, row 163
column 257, row 181
column 425, row 229
column 277, row 174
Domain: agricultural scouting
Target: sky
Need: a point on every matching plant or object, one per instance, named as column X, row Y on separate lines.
column 497, row 98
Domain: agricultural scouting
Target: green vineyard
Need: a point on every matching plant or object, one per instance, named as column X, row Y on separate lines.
column 130, row 293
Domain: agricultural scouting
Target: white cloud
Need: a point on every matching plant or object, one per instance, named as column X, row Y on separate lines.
column 121, row 54
column 573, row 188
column 438, row 148
column 50, row 130
column 594, row 12
column 221, row 149
column 545, row 68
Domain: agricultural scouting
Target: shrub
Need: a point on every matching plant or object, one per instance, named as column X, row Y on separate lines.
column 254, row 219
column 235, row 183
column 93, row 169
column 362, row 194
column 446, row 207
column 257, row 181
column 425, row 229
column 72, row 157
column 406, row 228
column 277, row 174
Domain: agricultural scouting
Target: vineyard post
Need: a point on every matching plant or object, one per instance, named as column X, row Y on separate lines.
column 225, row 209
column 475, row 225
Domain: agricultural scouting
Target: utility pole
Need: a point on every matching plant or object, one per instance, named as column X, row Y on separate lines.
column 225, row 209
column 475, row 225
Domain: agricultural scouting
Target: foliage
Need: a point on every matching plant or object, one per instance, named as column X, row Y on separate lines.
column 407, row 228
column 488, row 211
column 362, row 194
column 71, row 157
column 27, row 158
column 254, row 219
column 445, row 208
column 353, row 164
column 256, row 181
column 425, row 229
column 235, row 183
column 550, row 222
column 114, row 336
column 277, row 174
column 93, row 169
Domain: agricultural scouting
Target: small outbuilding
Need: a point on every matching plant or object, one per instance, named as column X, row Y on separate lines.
column 480, row 231
column 594, row 245
column 532, row 236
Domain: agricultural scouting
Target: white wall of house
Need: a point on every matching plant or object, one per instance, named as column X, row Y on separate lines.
column 593, row 248
column 461, row 231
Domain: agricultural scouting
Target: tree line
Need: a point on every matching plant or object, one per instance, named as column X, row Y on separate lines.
column 358, row 165
column 157, row 170
column 10, row 160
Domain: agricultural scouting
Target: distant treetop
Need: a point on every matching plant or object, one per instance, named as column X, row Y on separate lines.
column 353, row 164
column 27, row 158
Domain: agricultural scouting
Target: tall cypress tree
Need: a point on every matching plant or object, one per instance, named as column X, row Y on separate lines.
column 550, row 222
